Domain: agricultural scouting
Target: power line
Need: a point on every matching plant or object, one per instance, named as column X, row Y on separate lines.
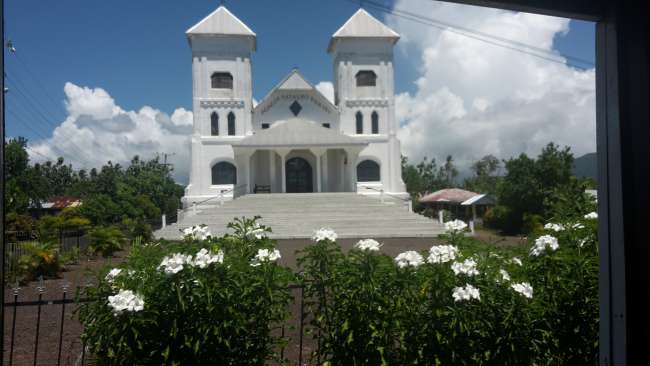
column 34, row 102
column 32, row 75
column 480, row 36
column 35, row 108
column 38, row 133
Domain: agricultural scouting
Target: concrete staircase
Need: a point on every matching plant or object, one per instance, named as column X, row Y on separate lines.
column 297, row 215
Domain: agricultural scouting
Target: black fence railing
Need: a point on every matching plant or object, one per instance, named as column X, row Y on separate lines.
column 62, row 331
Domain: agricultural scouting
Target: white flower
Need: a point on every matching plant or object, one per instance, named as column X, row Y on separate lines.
column 591, row 216
column 368, row 244
column 112, row 274
column 204, row 258
column 126, row 300
column 582, row 242
column 517, row 261
column 442, row 254
column 577, row 226
column 466, row 293
column 197, row 232
column 324, row 234
column 504, row 275
column 174, row 263
column 455, row 226
column 265, row 255
column 523, row 288
column 409, row 258
column 543, row 242
column 467, row 267
column 554, row 227
column 257, row 231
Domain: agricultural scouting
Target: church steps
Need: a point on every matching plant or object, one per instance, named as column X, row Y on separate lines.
column 298, row 215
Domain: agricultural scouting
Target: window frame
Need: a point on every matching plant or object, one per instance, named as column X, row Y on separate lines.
column 232, row 124
column 214, row 122
column 214, row 171
column 220, row 76
column 374, row 165
column 358, row 117
column 363, row 78
column 374, row 123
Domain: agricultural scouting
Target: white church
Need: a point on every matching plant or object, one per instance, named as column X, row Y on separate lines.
column 294, row 140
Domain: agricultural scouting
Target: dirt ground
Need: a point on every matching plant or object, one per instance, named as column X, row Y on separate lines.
column 50, row 319
column 78, row 275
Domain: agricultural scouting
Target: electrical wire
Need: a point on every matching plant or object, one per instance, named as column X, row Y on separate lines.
column 480, row 36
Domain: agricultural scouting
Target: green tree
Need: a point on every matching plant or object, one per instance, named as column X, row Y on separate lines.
column 485, row 177
column 24, row 187
column 530, row 184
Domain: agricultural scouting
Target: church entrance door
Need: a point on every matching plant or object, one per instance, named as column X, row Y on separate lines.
column 299, row 176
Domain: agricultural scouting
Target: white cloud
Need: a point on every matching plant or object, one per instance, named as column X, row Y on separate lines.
column 327, row 89
column 473, row 98
column 96, row 130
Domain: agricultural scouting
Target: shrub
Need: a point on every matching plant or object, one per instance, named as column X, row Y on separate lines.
column 137, row 227
column 205, row 301
column 461, row 304
column 106, row 241
column 42, row 259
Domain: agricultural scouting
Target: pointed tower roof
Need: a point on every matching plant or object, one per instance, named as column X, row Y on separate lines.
column 221, row 22
column 363, row 25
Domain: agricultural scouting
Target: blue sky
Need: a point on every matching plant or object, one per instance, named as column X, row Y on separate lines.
column 138, row 53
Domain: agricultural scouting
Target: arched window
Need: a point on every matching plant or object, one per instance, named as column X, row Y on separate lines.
column 221, row 80
column 366, row 78
column 359, row 117
column 214, row 124
column 375, row 122
column 231, row 124
column 368, row 171
column 224, row 173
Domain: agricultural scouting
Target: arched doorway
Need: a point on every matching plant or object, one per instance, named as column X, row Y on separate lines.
column 299, row 176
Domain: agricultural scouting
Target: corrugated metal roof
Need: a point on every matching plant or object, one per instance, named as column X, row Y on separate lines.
column 61, row 202
column 481, row 199
column 453, row 195
column 298, row 132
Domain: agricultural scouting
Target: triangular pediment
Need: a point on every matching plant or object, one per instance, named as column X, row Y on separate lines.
column 221, row 22
column 295, row 84
column 295, row 81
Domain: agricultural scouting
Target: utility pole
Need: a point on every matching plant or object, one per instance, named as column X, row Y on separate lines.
column 165, row 155
column 2, row 183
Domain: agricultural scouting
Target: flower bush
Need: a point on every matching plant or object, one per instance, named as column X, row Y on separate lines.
column 205, row 301
column 467, row 304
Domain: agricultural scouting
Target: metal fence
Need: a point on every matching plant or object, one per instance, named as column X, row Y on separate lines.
column 62, row 331
column 16, row 244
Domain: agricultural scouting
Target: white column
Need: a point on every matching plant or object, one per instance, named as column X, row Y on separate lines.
column 243, row 157
column 318, row 175
column 283, row 155
column 272, row 169
column 284, row 174
column 325, row 169
column 352, row 155
column 247, row 167
column 318, row 153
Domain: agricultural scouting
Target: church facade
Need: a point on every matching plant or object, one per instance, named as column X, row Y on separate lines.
column 295, row 140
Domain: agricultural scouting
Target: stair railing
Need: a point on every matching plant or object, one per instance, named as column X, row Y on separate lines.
column 407, row 201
